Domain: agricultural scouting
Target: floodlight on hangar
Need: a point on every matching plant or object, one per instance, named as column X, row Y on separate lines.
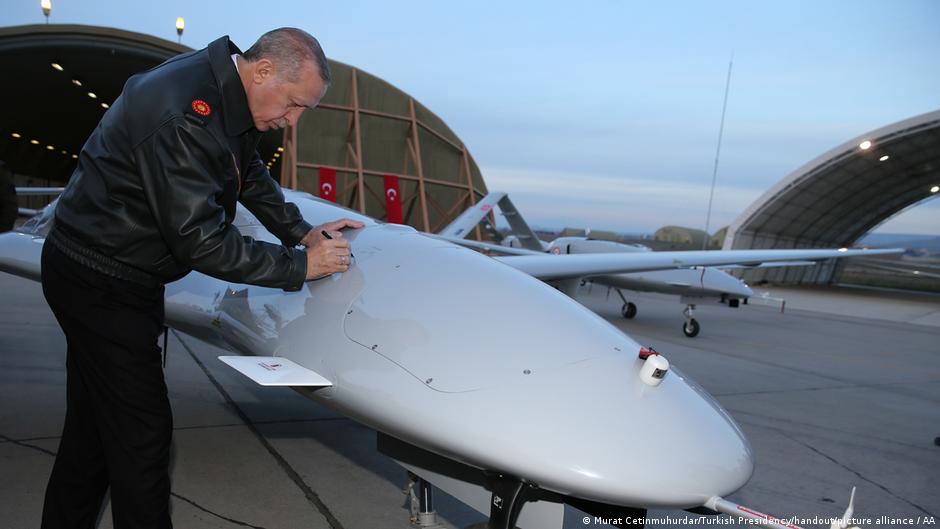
column 180, row 26
column 865, row 145
column 934, row 189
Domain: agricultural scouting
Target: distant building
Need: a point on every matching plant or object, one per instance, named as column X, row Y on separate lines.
column 718, row 239
column 680, row 236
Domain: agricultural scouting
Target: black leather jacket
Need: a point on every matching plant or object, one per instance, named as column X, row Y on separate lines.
column 157, row 182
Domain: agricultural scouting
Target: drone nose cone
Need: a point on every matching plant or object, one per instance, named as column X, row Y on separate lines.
column 739, row 289
column 620, row 441
column 566, row 409
column 729, row 284
column 746, row 290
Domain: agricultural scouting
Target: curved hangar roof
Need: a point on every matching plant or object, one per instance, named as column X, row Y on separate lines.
column 837, row 198
column 372, row 137
column 365, row 129
column 65, row 74
column 840, row 196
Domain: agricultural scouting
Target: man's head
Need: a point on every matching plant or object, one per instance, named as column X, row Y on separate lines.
column 284, row 73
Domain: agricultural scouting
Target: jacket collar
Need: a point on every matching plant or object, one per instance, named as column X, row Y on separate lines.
column 236, row 115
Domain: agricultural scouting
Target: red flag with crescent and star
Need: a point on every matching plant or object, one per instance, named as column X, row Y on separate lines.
column 328, row 184
column 392, row 200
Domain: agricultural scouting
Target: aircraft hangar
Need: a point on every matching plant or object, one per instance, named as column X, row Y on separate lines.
column 838, row 197
column 368, row 146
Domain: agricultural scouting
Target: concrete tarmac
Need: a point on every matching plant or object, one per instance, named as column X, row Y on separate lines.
column 829, row 400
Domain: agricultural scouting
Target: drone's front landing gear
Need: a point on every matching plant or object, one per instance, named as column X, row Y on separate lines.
column 421, row 500
column 628, row 310
column 691, row 327
column 508, row 496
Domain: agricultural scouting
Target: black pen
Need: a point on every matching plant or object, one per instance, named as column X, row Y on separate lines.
column 327, row 235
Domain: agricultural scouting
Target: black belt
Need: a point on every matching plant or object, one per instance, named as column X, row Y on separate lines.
column 99, row 262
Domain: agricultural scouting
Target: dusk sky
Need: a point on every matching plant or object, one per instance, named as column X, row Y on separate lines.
column 605, row 114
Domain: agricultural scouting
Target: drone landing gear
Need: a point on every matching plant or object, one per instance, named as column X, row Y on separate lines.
column 628, row 310
column 421, row 499
column 501, row 495
column 509, row 495
column 691, row 327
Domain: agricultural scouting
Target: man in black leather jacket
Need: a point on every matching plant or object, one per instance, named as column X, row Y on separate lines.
column 152, row 198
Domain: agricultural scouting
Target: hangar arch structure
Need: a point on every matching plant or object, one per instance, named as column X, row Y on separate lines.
column 366, row 135
column 835, row 199
column 64, row 78
column 371, row 147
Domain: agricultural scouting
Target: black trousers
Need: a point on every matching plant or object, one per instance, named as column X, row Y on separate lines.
column 118, row 423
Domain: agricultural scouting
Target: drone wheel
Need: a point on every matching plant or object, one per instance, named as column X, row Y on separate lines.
column 628, row 310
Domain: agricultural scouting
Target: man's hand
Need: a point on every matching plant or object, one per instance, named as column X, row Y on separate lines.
column 316, row 234
column 328, row 256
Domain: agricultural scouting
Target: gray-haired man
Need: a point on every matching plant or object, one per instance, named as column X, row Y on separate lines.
column 152, row 198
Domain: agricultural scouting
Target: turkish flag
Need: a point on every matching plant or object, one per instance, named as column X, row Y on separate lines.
column 328, row 184
column 392, row 200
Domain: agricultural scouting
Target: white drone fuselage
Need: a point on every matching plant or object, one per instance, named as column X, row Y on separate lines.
column 447, row 349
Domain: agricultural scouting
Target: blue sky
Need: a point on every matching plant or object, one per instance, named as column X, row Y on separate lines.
column 605, row 114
